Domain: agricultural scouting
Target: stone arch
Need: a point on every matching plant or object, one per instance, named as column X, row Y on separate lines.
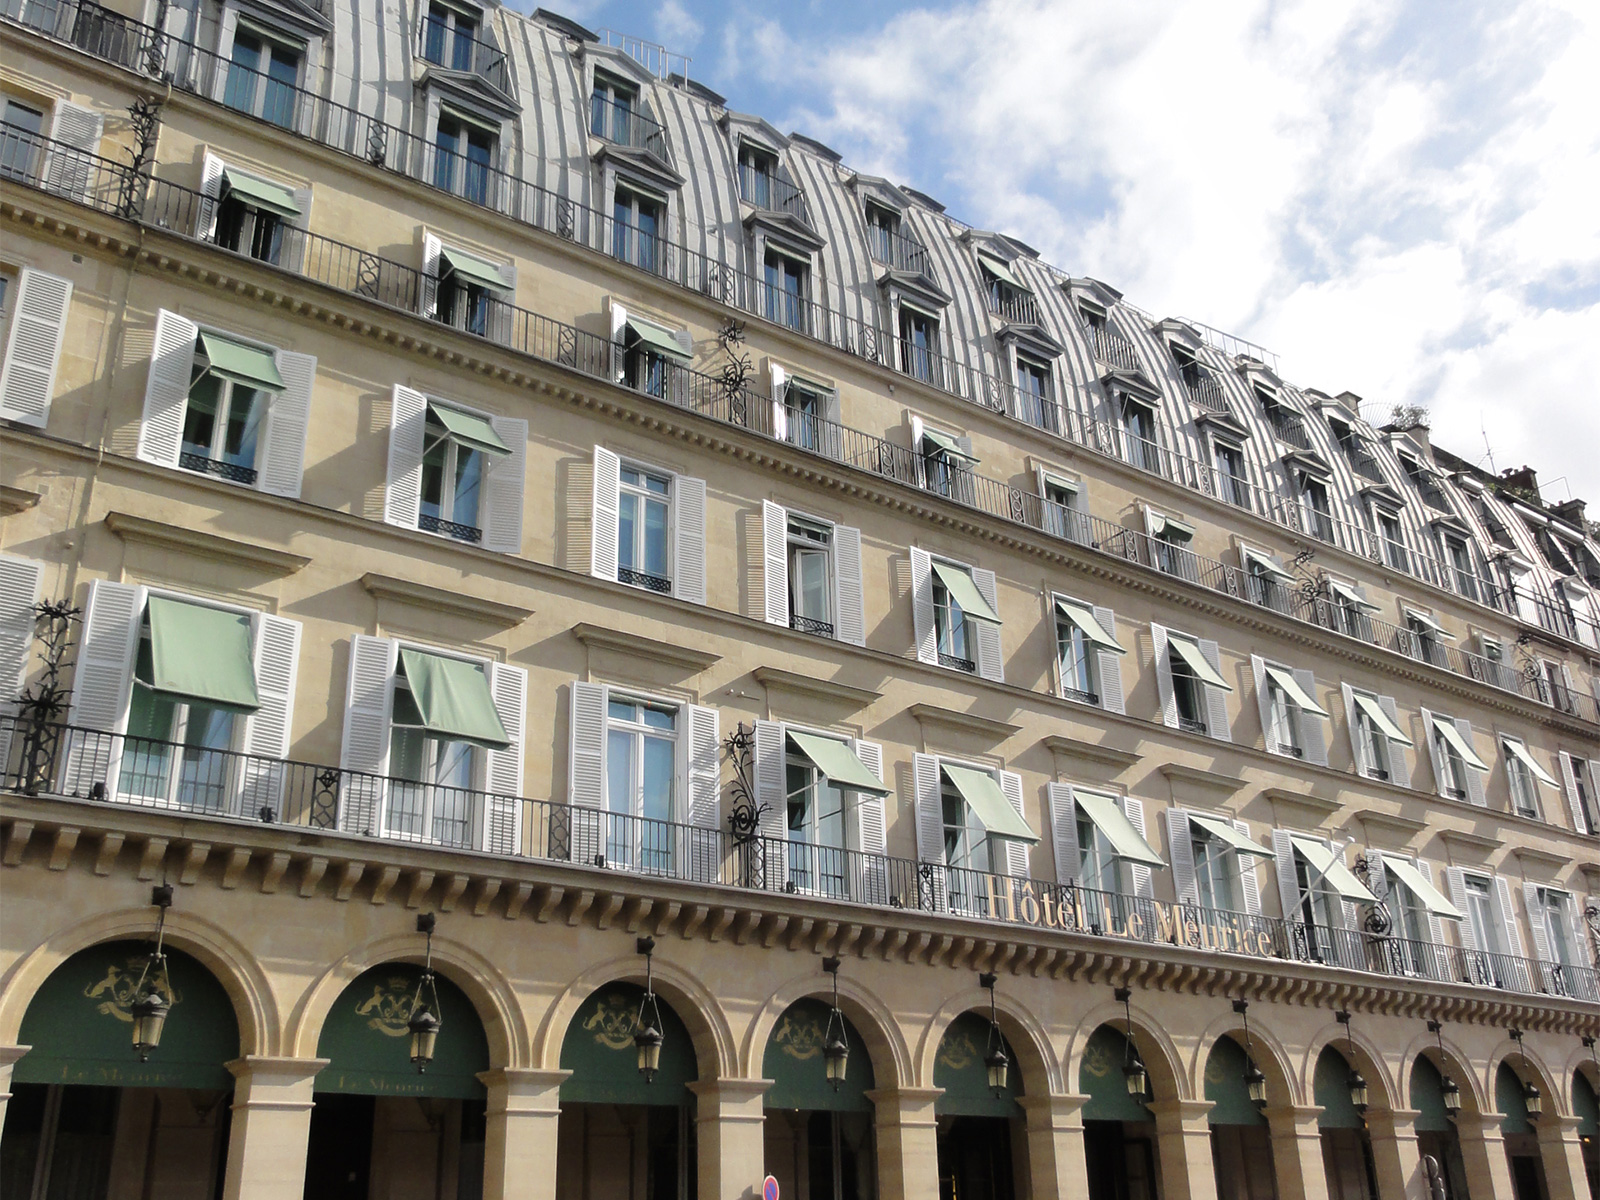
column 1525, row 1063
column 1162, row 1061
column 1579, row 1061
column 1454, row 1063
column 1036, row 1058
column 488, row 990
column 233, row 966
column 1367, row 1057
column 872, row 1018
column 1284, row 1083
column 696, row 1005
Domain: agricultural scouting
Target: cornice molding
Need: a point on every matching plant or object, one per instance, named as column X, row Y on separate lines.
column 852, row 698
column 1210, row 783
column 458, row 604
column 14, row 500
column 1319, row 807
column 135, row 530
column 1540, row 862
column 931, row 716
column 620, row 641
column 1095, row 752
column 1393, row 832
column 1470, row 847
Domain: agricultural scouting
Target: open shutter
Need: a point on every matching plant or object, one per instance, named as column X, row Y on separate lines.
column 101, row 685
column 1456, row 882
column 773, row 801
column 1169, row 699
column 990, row 664
column 70, row 171
column 689, row 539
column 922, row 609
column 1017, row 853
column 1258, row 667
column 586, row 771
column 1358, row 751
column 1433, row 754
column 1435, row 925
column 407, row 428
column 1064, row 828
column 1143, row 883
column 851, row 626
column 1399, row 759
column 1569, row 782
column 1109, row 665
column 1180, row 857
column 266, row 731
column 1288, row 877
column 780, row 407
column 205, row 224
column 166, row 390
column 368, row 714
column 607, row 508
column 930, row 826
column 702, row 748
column 428, row 285
column 1517, row 969
column 33, row 348
column 1216, row 698
column 775, row 562
column 502, row 491
column 283, row 444
column 502, row 806
column 872, row 830
column 20, row 581
column 1313, row 739
column 831, row 436
column 1377, row 881
column 1534, row 907
column 1249, row 882
column 1474, row 777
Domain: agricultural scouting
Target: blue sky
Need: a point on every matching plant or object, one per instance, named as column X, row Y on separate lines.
column 1401, row 198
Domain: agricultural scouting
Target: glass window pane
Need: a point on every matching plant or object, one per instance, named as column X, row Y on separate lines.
column 655, row 534
column 619, row 771
column 405, row 754
column 660, row 718
column 245, row 411
column 469, row 480
column 433, row 465
column 628, row 532
column 200, row 415
column 658, row 778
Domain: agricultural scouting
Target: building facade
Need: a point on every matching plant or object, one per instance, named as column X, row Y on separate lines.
column 453, row 467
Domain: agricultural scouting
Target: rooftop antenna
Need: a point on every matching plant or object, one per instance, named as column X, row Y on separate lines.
column 1488, row 450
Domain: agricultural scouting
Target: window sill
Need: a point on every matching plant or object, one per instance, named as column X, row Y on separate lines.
column 642, row 579
column 450, row 529
column 212, row 466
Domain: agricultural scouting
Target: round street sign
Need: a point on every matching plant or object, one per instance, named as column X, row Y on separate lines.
column 769, row 1188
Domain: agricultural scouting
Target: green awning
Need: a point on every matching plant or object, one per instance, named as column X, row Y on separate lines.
column 1520, row 753
column 1333, row 871
column 261, row 193
column 988, row 803
column 1428, row 623
column 1126, row 841
column 1291, row 687
column 1170, row 527
column 1189, row 650
column 238, row 361
column 1379, row 718
column 1344, row 592
column 468, row 428
column 1225, row 833
column 1264, row 561
column 203, row 654
column 839, row 763
column 965, row 593
column 1451, row 734
column 452, row 696
column 1000, row 269
column 658, row 338
column 1422, row 888
column 946, row 443
column 1083, row 617
column 472, row 268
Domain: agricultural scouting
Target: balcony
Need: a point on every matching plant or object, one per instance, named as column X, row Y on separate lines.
column 771, row 193
column 894, row 249
column 1013, row 306
column 626, row 124
column 1111, row 348
column 1205, row 389
column 445, row 46
column 1288, row 428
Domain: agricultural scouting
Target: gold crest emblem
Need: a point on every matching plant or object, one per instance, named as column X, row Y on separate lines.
column 388, row 1009
column 958, row 1052
column 1096, row 1060
column 114, row 995
column 799, row 1037
column 613, row 1022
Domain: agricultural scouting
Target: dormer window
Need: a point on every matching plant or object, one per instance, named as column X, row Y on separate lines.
column 785, row 280
column 888, row 243
column 450, row 36
column 1232, row 483
column 1424, row 481
column 1314, row 501
column 761, row 181
column 1286, row 424
column 1498, row 532
column 617, row 114
column 1203, row 387
column 1009, row 297
column 1387, row 522
column 264, row 75
column 1139, row 428
column 1108, row 345
column 919, row 346
column 464, row 155
column 636, row 228
column 1459, row 555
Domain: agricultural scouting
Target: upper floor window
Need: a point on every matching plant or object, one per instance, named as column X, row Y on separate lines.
column 1459, row 555
column 641, row 783
column 1223, row 857
column 472, row 292
column 970, row 823
column 23, row 142
column 228, row 401
column 1009, row 297
column 919, row 346
column 954, row 613
column 643, row 530
column 1376, row 737
column 464, row 157
column 1191, row 685
column 1499, row 532
column 649, row 527
column 1318, row 512
column 1458, row 771
column 1390, row 537
column 1428, row 636
column 264, row 76
column 1088, row 652
column 450, row 36
column 653, row 357
column 1551, row 916
column 456, row 450
column 613, row 106
column 826, row 783
column 762, row 182
column 1170, row 539
column 786, row 290
column 1289, row 711
column 1232, row 483
column 1036, row 399
column 1100, row 846
column 1266, row 582
column 1426, row 483
column 254, row 215
column 1524, row 774
column 1139, row 429
column 889, row 244
column 455, row 471
column 1580, row 779
column 806, row 415
column 1063, row 498
column 636, row 228
column 947, row 462
column 810, row 561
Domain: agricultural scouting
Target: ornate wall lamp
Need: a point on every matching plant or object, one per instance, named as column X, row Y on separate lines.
column 995, row 1060
column 647, row 1037
column 149, row 1006
column 1531, row 1096
column 1354, row 1081
column 425, row 1023
column 1449, row 1092
column 1132, row 1065
column 1254, row 1081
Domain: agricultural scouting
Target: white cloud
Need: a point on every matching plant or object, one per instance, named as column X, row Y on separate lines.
column 676, row 29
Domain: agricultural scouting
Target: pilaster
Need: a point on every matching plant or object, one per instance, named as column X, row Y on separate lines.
column 729, row 1122
column 271, row 1128
column 1183, row 1138
column 908, row 1142
column 524, row 1111
column 1396, row 1159
column 1056, row 1157
column 1297, row 1152
column 1483, row 1152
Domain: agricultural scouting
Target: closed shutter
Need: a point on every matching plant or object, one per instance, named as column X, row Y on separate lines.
column 930, row 826
column 502, row 491
column 772, row 800
column 1169, row 699
column 586, row 771
column 1216, row 698
column 1435, row 925
column 20, row 581
column 283, row 444
column 780, row 407
column 775, row 562
column 1180, row 857
column 70, row 172
column 872, row 830
column 502, row 815
column 166, row 390
column 1358, row 748
column 1569, row 782
column 408, row 422
column 922, row 606
column 1474, row 776
column 1433, row 753
column 1258, row 667
column 205, row 225
column 1313, row 740
column 266, row 731
column 1110, row 665
column 1249, row 882
column 1017, row 853
column 428, row 284
column 701, row 752
column 851, row 626
column 101, row 685
column 33, row 348
column 1533, row 904
column 368, row 714
column 1516, row 973
column 607, row 508
column 1064, row 828
column 1143, row 883
column 1455, row 880
column 689, row 539
column 1288, row 877
column 1399, row 758
column 987, row 634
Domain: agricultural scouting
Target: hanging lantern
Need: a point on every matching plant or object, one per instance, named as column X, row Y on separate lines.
column 150, row 1008
column 1451, row 1094
column 648, row 1036
column 998, row 1064
column 1138, row 1080
column 835, row 1049
column 1254, row 1081
column 1357, row 1084
column 424, row 1023
column 1534, row 1099
column 648, row 1043
column 1132, row 1065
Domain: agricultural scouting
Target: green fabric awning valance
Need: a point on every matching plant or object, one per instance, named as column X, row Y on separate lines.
column 239, row 361
column 1346, row 594
column 469, row 429
column 1224, row 832
column 1267, row 564
column 1001, row 270
column 988, row 803
column 1291, row 688
column 1430, row 897
column 839, row 763
column 658, row 338
column 453, row 700
column 1126, row 841
column 1171, row 529
column 201, row 654
column 261, row 193
column 1380, row 719
column 947, row 443
column 1083, row 617
column 1447, row 730
column 1519, row 752
column 1333, row 871
column 1189, row 650
column 471, row 268
column 964, row 592
column 1428, row 623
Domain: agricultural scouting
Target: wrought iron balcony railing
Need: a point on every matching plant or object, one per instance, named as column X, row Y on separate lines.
column 895, row 249
column 1112, row 348
column 627, row 124
column 457, row 50
column 771, row 192
column 1289, row 428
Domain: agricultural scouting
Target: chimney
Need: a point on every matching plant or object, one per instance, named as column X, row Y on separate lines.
column 1351, row 401
column 1570, row 511
column 1522, row 480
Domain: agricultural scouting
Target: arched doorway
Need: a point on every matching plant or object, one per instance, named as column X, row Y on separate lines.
column 380, row 1128
column 620, row 1135
column 1118, row 1130
column 1586, row 1107
column 819, row 1141
column 1436, row 1132
column 981, row 1135
column 1346, row 1149
column 1241, row 1144
column 86, row 1117
column 1522, row 1142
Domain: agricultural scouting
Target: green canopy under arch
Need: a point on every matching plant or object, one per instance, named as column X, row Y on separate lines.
column 368, row 1045
column 1226, row 1088
column 1102, row 1079
column 795, row 1064
column 598, row 1049
column 1330, row 1088
column 960, row 1070
column 1509, row 1099
column 1427, row 1097
column 1585, row 1106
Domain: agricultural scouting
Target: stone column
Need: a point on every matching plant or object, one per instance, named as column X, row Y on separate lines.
column 1483, row 1152
column 1055, row 1146
column 908, row 1142
column 1562, row 1153
column 1396, row 1160
column 1297, row 1152
column 8, row 1059
column 519, row 1153
column 1183, row 1138
column 728, row 1124
column 271, row 1127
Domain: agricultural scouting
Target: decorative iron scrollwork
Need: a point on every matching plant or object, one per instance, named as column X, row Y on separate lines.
column 1378, row 921
column 744, row 814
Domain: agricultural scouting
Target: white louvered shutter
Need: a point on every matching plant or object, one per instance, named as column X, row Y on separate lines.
column 205, row 224
column 1143, row 882
column 502, row 806
column 1518, row 967
column 606, row 513
column 428, row 285
column 773, row 801
column 1358, row 751
column 1534, row 906
column 33, row 347
column 930, row 824
column 101, row 686
column 368, row 714
column 1399, row 757
column 922, row 606
column 408, row 421
column 1569, row 783
column 1018, row 854
column 702, row 754
column 166, row 390
column 1064, row 831
column 1258, row 668
column 1288, row 876
column 872, row 830
column 1433, row 754
column 780, row 407
column 1456, row 883
column 1435, row 924
column 1110, row 665
column 266, row 731
column 1475, row 793
column 775, row 562
column 70, row 171
column 851, row 626
column 283, row 444
column 831, row 441
column 1216, row 698
column 1180, row 857
column 1313, row 738
column 586, row 771
column 987, row 634
column 689, row 539
column 1249, row 881
column 502, row 491
column 1169, row 699
column 20, row 581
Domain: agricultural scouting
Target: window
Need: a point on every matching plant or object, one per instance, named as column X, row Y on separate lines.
column 22, row 147
column 1098, row 866
column 919, row 342
column 950, row 629
column 1192, row 689
column 966, row 844
column 264, row 77
column 449, row 37
column 947, row 464
column 1169, row 547
column 1498, row 531
column 1061, row 516
column 1231, row 482
column 1411, row 916
column 641, row 784
column 654, row 358
column 1375, row 735
column 1551, row 915
column 1036, row 394
column 1451, row 763
column 786, row 291
column 612, row 108
column 1289, row 711
column 1426, row 483
column 644, row 529
column 636, row 228
column 1580, row 786
column 1428, row 636
column 804, row 413
column 810, row 576
column 1394, row 545
column 883, row 231
column 464, row 157
column 1319, row 516
column 452, row 481
column 471, row 289
column 1202, row 385
column 1459, row 556
column 1267, row 583
column 1079, row 658
column 1188, row 691
column 832, row 800
column 1216, row 868
column 1482, row 919
column 1284, row 724
column 1520, row 769
column 234, row 383
column 246, row 229
column 441, row 770
column 1139, row 424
